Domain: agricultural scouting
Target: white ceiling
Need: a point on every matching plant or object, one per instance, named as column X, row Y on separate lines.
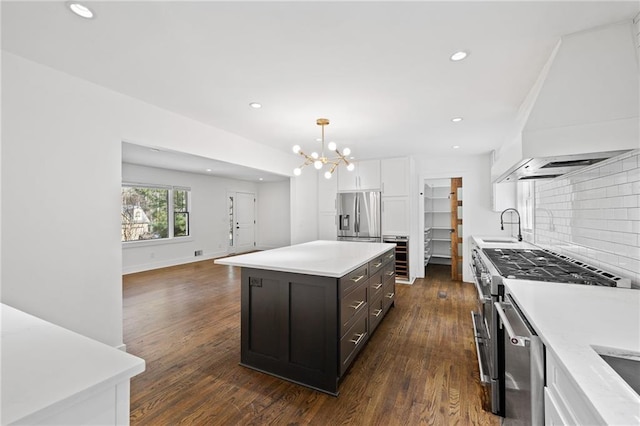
column 380, row 71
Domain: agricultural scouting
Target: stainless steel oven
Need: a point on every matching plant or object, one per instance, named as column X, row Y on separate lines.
column 487, row 334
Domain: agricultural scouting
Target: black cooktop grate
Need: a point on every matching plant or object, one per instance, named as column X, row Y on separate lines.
column 540, row 265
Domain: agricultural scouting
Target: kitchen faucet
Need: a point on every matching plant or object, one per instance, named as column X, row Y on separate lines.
column 511, row 223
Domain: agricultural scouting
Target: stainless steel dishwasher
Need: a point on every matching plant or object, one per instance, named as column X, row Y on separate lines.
column 523, row 367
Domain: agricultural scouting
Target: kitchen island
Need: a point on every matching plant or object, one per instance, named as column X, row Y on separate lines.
column 309, row 309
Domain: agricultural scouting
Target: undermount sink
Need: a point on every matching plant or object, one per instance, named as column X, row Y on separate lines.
column 499, row 241
column 627, row 366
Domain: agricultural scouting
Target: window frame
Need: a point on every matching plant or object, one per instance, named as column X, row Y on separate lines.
column 171, row 238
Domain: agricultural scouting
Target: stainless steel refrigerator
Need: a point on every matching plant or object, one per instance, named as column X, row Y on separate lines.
column 359, row 216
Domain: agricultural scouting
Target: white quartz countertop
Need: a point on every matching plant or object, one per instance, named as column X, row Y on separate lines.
column 325, row 258
column 574, row 319
column 46, row 368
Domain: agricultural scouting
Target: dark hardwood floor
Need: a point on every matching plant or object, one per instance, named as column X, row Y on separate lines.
column 418, row 368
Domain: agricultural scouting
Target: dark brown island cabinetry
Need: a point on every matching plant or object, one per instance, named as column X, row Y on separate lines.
column 309, row 328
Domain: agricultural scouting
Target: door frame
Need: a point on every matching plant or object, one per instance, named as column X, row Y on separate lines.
column 465, row 220
column 231, row 249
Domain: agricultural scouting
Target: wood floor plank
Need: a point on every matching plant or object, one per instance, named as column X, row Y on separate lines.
column 419, row 366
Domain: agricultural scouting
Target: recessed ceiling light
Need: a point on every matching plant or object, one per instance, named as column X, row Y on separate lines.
column 260, row 179
column 458, row 56
column 456, row 119
column 455, row 146
column 255, row 105
column 80, row 10
column 208, row 170
column 154, row 150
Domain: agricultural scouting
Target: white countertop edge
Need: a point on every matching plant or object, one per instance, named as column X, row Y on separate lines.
column 359, row 253
column 610, row 396
column 28, row 342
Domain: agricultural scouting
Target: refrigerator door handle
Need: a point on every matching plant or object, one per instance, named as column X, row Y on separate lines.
column 356, row 222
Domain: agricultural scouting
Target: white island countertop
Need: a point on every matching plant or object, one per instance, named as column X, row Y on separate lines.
column 47, row 369
column 572, row 320
column 324, row 258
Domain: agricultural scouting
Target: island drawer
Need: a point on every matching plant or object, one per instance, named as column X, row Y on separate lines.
column 375, row 286
column 389, row 294
column 352, row 342
column 376, row 313
column 351, row 305
column 389, row 272
column 389, row 256
column 354, row 278
column 376, row 264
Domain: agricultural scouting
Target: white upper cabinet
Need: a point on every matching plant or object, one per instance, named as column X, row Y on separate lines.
column 395, row 177
column 365, row 177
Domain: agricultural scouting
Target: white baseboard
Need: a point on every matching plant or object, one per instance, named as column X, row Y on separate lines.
column 169, row 262
column 122, row 347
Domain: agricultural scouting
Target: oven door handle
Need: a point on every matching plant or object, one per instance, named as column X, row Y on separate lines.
column 483, row 297
column 513, row 337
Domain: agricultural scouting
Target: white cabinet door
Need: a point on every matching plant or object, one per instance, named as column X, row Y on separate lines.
column 395, row 176
column 368, row 175
column 347, row 180
column 365, row 177
column 395, row 216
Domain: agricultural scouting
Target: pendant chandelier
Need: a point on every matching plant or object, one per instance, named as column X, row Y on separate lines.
column 320, row 160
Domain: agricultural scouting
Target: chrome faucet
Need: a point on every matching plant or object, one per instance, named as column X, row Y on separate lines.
column 511, row 223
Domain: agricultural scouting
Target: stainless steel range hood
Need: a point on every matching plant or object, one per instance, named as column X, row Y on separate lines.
column 553, row 167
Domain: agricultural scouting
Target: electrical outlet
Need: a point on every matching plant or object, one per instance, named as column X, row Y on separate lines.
column 198, row 253
column 152, row 255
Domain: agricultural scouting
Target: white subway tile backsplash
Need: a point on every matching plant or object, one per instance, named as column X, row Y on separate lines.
column 594, row 216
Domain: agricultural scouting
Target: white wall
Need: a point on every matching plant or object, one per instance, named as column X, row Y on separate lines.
column 304, row 207
column 274, row 215
column 478, row 215
column 594, row 216
column 61, row 177
column 209, row 221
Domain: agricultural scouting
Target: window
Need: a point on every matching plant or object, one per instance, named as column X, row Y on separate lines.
column 146, row 211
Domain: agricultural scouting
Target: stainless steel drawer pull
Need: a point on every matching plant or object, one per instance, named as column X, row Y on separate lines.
column 390, row 295
column 390, row 273
column 357, row 306
column 356, row 279
column 377, row 313
column 358, row 338
column 377, row 286
column 377, row 265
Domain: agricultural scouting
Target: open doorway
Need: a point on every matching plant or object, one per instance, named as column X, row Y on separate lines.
column 443, row 224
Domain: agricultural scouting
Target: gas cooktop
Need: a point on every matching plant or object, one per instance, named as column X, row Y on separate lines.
column 543, row 265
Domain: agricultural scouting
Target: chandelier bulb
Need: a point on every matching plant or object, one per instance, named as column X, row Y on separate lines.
column 297, row 171
column 296, row 149
column 351, row 166
column 327, row 175
column 332, row 146
column 346, row 151
column 317, row 164
column 314, row 155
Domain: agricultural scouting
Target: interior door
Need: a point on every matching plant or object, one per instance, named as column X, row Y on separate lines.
column 245, row 221
column 456, row 228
